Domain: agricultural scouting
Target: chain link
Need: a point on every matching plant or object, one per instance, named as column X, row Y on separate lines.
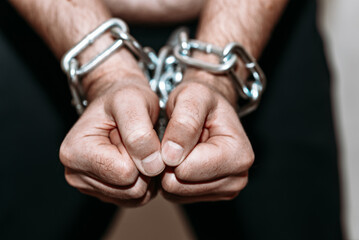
column 183, row 50
column 249, row 90
column 166, row 70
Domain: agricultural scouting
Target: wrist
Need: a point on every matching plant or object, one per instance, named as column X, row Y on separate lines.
column 112, row 75
column 218, row 83
column 119, row 69
column 118, row 64
column 94, row 64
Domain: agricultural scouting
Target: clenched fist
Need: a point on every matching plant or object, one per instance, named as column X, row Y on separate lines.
column 204, row 143
column 113, row 150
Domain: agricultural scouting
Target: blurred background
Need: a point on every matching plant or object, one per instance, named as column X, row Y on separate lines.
column 338, row 21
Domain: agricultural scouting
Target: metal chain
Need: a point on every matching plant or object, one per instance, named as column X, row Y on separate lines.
column 70, row 64
column 166, row 70
column 249, row 90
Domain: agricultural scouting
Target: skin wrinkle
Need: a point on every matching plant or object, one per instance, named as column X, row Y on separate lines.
column 113, row 186
column 185, row 170
column 95, row 135
column 213, row 167
column 217, row 129
column 204, row 135
column 249, row 15
column 72, row 2
column 126, row 182
column 176, row 186
column 115, row 138
column 191, row 113
column 110, row 72
column 194, row 183
column 226, row 88
column 131, row 193
column 102, row 129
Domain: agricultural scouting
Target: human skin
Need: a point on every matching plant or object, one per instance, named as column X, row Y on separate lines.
column 212, row 154
column 112, row 152
column 155, row 11
column 103, row 152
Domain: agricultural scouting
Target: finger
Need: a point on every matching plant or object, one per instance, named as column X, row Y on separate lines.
column 219, row 157
column 221, row 187
column 134, row 202
column 120, row 202
column 82, row 181
column 190, row 110
column 132, row 115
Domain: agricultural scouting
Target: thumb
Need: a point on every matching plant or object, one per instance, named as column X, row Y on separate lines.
column 132, row 115
column 190, row 110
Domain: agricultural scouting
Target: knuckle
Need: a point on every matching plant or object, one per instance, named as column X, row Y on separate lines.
column 126, row 174
column 69, row 153
column 248, row 159
column 190, row 124
column 244, row 160
column 183, row 172
column 118, row 174
column 65, row 153
column 242, row 184
column 139, row 136
column 169, row 186
column 71, row 180
column 239, row 184
column 137, row 192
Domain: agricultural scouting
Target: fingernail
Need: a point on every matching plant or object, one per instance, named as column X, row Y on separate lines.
column 172, row 153
column 153, row 164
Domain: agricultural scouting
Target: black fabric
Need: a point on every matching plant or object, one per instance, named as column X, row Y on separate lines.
column 293, row 190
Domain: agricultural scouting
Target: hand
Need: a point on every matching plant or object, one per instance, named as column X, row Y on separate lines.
column 112, row 150
column 205, row 144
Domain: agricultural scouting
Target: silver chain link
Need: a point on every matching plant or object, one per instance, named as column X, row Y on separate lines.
column 166, row 70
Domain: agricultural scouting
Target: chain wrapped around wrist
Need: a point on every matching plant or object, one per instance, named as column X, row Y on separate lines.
column 166, row 70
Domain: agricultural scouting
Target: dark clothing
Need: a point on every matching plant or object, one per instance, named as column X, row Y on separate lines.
column 293, row 190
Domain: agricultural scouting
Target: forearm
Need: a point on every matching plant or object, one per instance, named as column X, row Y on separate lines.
column 63, row 23
column 155, row 11
column 248, row 22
